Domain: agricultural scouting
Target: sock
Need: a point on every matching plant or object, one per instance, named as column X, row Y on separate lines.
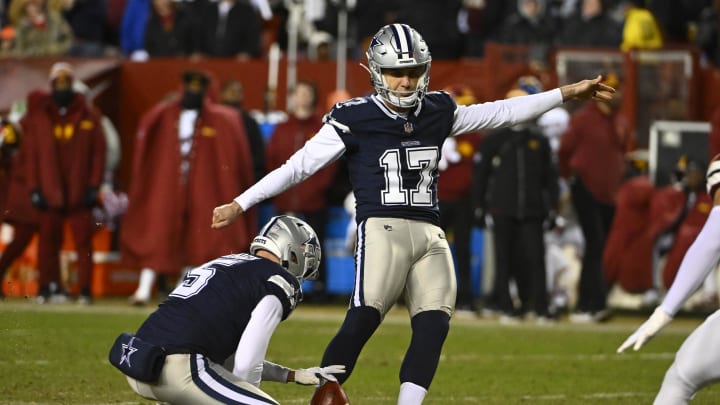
column 147, row 279
column 429, row 330
column 411, row 394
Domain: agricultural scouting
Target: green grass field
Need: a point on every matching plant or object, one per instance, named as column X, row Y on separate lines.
column 58, row 355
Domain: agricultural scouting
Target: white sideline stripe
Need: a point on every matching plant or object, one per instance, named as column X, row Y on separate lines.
column 553, row 356
column 464, row 358
column 532, row 398
column 540, row 357
column 397, row 316
column 75, row 403
column 465, row 399
column 400, row 317
column 30, row 305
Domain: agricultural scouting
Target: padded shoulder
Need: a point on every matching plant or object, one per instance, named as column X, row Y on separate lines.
column 441, row 99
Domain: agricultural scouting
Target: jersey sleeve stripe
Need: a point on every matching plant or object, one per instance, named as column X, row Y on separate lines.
column 344, row 128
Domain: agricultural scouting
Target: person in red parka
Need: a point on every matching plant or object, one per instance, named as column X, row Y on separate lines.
column 622, row 260
column 17, row 210
column 190, row 154
column 455, row 198
column 309, row 199
column 653, row 223
column 714, row 138
column 592, row 157
column 695, row 210
column 65, row 167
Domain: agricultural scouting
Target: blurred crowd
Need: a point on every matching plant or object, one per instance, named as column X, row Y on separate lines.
column 574, row 221
column 566, row 205
column 193, row 148
column 141, row 29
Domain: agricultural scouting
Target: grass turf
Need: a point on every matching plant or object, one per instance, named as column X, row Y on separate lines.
column 57, row 354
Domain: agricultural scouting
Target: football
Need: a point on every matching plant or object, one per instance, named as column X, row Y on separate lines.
column 330, row 393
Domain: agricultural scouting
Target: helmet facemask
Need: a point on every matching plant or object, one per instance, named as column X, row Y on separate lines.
column 397, row 46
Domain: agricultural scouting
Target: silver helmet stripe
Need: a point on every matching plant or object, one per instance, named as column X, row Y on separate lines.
column 401, row 32
column 269, row 225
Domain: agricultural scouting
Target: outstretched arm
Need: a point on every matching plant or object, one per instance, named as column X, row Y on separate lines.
column 512, row 111
column 699, row 260
column 587, row 89
column 319, row 151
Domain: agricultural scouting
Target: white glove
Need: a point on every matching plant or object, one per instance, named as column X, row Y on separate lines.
column 658, row 320
column 312, row 376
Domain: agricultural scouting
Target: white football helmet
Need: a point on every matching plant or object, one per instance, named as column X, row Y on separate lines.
column 294, row 242
column 398, row 46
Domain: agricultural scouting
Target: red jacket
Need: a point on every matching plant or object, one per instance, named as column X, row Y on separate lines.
column 620, row 263
column 685, row 235
column 167, row 224
column 16, row 203
column 455, row 182
column 311, row 194
column 628, row 256
column 65, row 153
column 714, row 139
column 593, row 148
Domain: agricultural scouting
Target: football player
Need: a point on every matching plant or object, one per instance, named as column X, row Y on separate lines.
column 392, row 141
column 696, row 361
column 215, row 327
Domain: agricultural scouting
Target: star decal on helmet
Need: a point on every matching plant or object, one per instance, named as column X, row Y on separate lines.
column 375, row 43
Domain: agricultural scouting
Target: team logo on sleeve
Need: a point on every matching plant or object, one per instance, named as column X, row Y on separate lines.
column 127, row 351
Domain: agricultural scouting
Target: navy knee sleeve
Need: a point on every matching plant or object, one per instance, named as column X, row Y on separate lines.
column 359, row 325
column 429, row 330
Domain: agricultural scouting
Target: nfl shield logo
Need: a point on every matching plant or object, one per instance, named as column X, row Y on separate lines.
column 408, row 127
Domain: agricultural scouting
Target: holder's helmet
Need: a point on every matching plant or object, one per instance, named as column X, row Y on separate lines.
column 294, row 242
column 398, row 46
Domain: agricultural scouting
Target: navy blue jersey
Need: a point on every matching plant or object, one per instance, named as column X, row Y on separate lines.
column 392, row 161
column 208, row 313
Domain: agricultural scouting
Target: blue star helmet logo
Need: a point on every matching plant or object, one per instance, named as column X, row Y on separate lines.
column 377, row 42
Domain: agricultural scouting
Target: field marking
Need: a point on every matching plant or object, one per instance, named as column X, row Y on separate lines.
column 553, row 356
column 453, row 358
column 74, row 403
column 463, row 399
column 531, row 398
column 336, row 313
column 71, row 307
